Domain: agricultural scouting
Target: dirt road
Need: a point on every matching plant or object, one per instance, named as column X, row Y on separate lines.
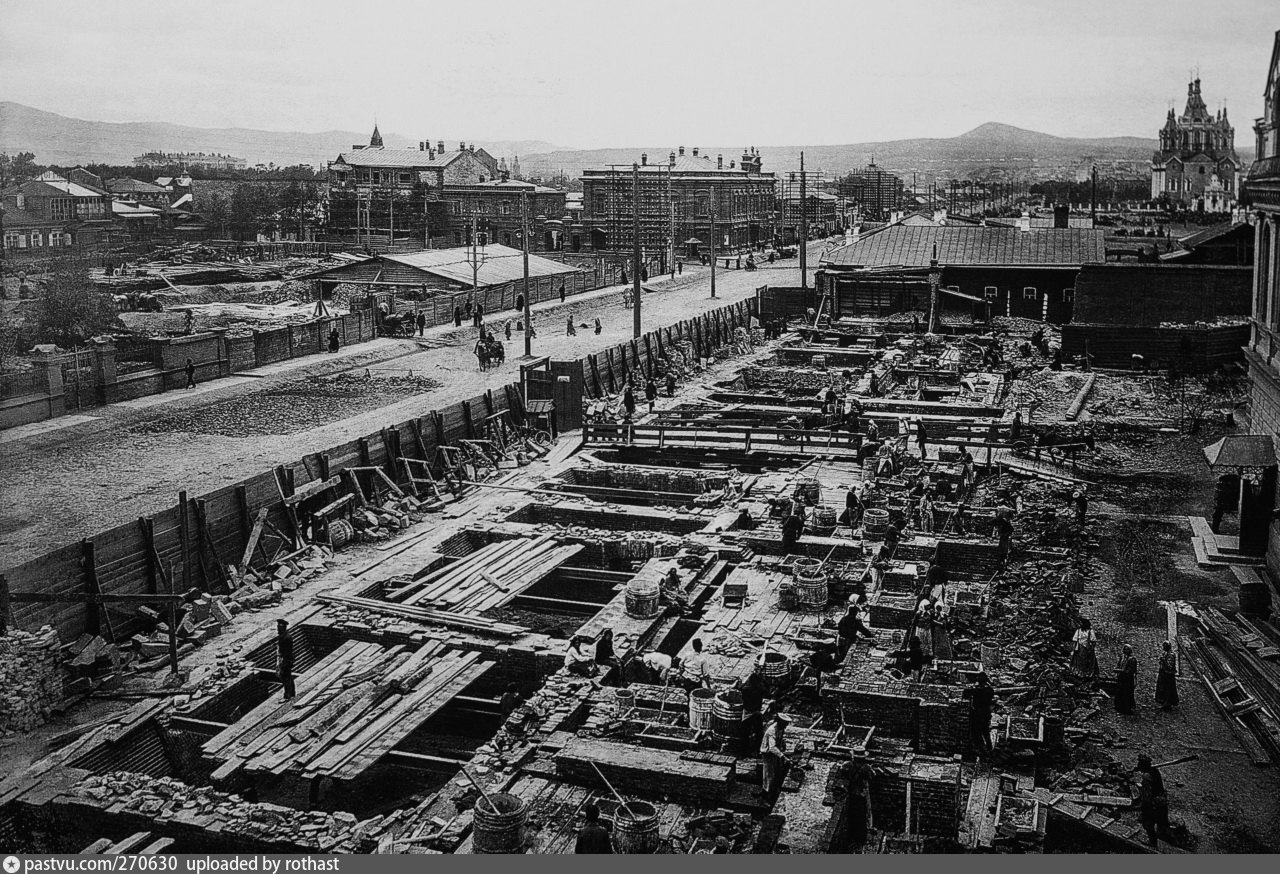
column 129, row 460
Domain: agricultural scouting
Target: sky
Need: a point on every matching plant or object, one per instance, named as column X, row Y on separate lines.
column 611, row 74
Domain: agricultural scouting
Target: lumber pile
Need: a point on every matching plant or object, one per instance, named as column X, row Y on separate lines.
column 463, row 622
column 30, row 678
column 166, row 799
column 487, row 578
column 351, row 709
column 141, row 843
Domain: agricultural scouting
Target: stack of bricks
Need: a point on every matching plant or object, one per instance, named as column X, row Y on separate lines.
column 30, row 678
column 925, row 789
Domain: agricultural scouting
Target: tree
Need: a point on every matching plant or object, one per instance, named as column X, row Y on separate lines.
column 21, row 167
column 69, row 310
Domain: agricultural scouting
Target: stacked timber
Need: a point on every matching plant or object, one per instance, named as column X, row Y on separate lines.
column 30, row 678
column 165, row 798
column 487, row 578
column 351, row 709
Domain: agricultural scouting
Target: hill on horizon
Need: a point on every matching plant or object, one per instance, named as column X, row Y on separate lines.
column 59, row 139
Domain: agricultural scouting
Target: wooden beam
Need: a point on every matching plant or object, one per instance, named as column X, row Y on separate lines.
column 5, row 600
column 147, row 528
column 206, row 534
column 184, row 538
column 94, row 614
column 88, row 598
column 254, row 536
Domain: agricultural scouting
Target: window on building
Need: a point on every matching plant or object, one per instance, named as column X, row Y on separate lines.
column 406, row 178
column 11, row 240
column 1068, row 295
column 506, row 207
column 990, row 292
column 1201, row 171
column 37, row 239
column 1028, row 293
column 55, row 238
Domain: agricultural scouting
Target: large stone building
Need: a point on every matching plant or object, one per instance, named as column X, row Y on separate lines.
column 431, row 196
column 1262, row 194
column 191, row 160
column 1196, row 166
column 680, row 198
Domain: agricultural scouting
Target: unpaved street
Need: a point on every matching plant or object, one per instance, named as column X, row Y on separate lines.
column 130, row 460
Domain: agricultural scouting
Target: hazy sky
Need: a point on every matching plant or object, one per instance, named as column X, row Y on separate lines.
column 607, row 73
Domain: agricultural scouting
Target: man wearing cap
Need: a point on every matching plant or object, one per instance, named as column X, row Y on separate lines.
column 855, row 779
column 773, row 754
column 284, row 658
column 792, row 529
column 1153, row 803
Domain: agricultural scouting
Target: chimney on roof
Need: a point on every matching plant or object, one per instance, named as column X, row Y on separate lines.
column 644, row 159
column 719, row 162
column 682, row 151
column 471, row 148
column 732, row 164
column 671, row 159
column 440, row 147
column 695, row 151
column 939, row 216
column 1024, row 222
column 462, row 147
column 1061, row 216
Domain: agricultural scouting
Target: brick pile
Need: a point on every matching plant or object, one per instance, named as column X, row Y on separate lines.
column 382, row 521
column 165, row 799
column 30, row 678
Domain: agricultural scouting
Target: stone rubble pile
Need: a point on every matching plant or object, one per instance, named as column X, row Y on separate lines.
column 30, row 678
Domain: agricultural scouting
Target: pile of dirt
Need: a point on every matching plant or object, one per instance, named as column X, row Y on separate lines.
column 293, row 407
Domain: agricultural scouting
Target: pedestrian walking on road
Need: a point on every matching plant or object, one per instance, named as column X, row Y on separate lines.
column 680, row 268
column 562, row 292
column 671, row 383
column 599, row 327
column 506, row 329
column 191, row 373
column 569, row 330
column 457, row 317
column 422, row 322
column 333, row 340
column 651, row 393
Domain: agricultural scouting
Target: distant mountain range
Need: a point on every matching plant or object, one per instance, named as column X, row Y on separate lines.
column 990, row 144
column 57, row 139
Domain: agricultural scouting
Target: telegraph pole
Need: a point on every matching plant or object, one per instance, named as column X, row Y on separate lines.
column 1093, row 197
column 671, row 250
column 635, row 250
column 711, row 203
column 804, row 228
column 524, row 239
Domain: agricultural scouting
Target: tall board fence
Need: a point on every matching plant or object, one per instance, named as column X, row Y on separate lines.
column 187, row 545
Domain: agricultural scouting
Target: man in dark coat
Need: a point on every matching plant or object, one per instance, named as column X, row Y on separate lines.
column 191, row 373
column 849, row 627
column 629, row 400
column 792, row 528
column 284, row 658
column 854, row 782
column 457, row 317
column 982, row 699
column 1153, row 803
column 592, row 837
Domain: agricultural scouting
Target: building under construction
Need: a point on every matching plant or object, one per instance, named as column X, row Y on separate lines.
column 680, row 202
column 756, row 619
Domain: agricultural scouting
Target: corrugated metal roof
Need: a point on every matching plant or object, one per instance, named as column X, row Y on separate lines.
column 684, row 164
column 53, row 188
column 900, row 246
column 501, row 264
column 397, row 158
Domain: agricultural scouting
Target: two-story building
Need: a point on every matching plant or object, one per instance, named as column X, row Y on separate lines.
column 681, row 200
column 53, row 213
column 495, row 207
column 399, row 197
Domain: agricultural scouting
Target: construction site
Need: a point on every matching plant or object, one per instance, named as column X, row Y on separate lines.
column 757, row 581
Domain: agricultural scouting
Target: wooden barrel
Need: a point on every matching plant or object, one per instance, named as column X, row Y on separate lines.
column 700, row 701
column 811, row 491
column 635, row 828
column 726, row 715
column 642, row 598
column 787, row 596
column 499, row 823
column 874, row 522
column 825, row 517
column 625, row 699
column 341, row 532
column 1255, row 599
column 811, row 592
column 776, row 667
column 805, row 566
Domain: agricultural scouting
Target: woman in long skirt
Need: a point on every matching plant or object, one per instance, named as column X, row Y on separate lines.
column 1167, row 679
column 1084, row 658
column 924, row 627
column 1126, row 681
